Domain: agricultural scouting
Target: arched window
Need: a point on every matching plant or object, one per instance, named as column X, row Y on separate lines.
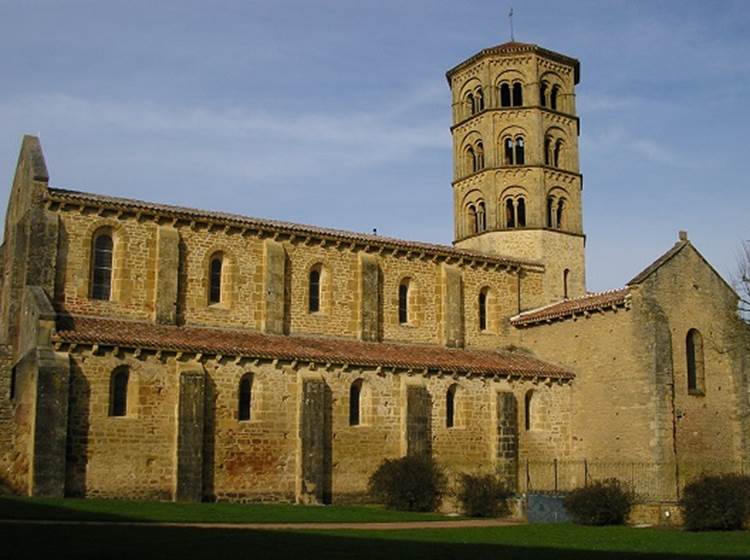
column 470, row 103
column 483, row 310
column 550, row 212
column 510, row 213
column 566, row 274
column 101, row 270
column 543, row 94
column 355, row 403
column 450, row 406
column 559, row 218
column 478, row 101
column 519, row 151
column 553, row 97
column 695, row 363
column 403, row 302
column 472, row 219
column 314, row 289
column 528, row 424
column 517, row 94
column 508, row 145
column 244, row 410
column 521, row 212
column 556, row 156
column 118, row 392
column 479, row 156
column 214, row 273
column 504, row 95
column 481, row 217
column 471, row 160
column 547, row 147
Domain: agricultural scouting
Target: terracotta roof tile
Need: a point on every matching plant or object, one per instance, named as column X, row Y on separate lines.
column 133, row 334
column 570, row 307
column 180, row 212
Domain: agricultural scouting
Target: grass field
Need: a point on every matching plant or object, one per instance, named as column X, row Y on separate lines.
column 26, row 541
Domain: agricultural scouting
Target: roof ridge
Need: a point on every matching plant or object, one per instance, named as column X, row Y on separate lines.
column 572, row 300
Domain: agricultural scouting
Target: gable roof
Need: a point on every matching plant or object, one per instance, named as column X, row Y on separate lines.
column 137, row 334
column 571, row 307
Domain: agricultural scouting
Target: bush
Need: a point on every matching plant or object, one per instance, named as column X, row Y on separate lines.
column 415, row 483
column 720, row 502
column 604, row 502
column 483, row 496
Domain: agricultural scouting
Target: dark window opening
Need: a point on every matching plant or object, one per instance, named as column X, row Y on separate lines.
column 566, row 274
column 517, row 94
column 483, row 311
column 553, row 97
column 13, row 381
column 214, row 292
column 119, row 393
column 521, row 211
column 510, row 214
column 471, row 159
column 527, row 410
column 519, row 151
column 695, row 364
column 560, row 213
column 101, row 285
column 543, row 94
column 355, row 402
column 403, row 303
column 504, row 95
column 450, row 407
column 481, row 218
column 479, row 101
column 479, row 157
column 508, row 151
column 245, row 397
column 314, row 303
column 550, row 207
column 470, row 103
column 473, row 226
column 556, row 156
column 547, row 143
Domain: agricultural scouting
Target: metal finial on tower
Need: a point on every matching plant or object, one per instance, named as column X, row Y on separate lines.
column 510, row 18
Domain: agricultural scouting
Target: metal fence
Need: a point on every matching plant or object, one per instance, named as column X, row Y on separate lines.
column 648, row 481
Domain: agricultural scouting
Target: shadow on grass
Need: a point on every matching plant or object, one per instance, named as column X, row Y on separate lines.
column 112, row 542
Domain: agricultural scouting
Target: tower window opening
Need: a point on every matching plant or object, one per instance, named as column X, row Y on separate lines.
column 470, row 105
column 543, row 94
column 118, row 393
column 695, row 363
column 481, row 217
column 521, row 212
column 314, row 288
column 508, row 151
column 550, row 212
column 471, row 160
column 557, row 152
column 403, row 302
column 560, row 214
column 101, row 272
column 472, row 218
column 566, row 274
column 510, row 213
column 479, row 156
column 244, row 411
column 478, row 101
column 450, row 406
column 528, row 402
column 483, row 310
column 504, row 95
column 547, row 143
column 355, row 403
column 214, row 290
column 519, row 151
column 517, row 94
column 553, row 97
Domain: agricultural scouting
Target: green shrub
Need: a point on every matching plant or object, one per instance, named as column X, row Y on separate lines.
column 483, row 496
column 720, row 502
column 603, row 502
column 415, row 483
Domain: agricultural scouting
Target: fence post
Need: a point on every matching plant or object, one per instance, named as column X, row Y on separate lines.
column 585, row 472
column 555, row 475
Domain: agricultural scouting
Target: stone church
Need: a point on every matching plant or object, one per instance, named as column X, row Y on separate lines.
column 160, row 352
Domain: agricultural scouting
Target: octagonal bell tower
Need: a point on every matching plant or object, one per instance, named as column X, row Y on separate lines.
column 517, row 186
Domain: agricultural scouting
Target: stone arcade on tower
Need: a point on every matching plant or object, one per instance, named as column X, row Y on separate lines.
column 155, row 351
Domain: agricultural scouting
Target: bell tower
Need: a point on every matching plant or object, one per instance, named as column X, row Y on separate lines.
column 517, row 185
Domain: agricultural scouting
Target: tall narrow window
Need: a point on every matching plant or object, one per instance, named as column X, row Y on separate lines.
column 504, row 95
column 118, row 393
column 471, row 215
column 403, row 302
column 547, row 147
column 550, row 212
column 13, row 382
column 519, row 151
column 695, row 364
column 557, row 152
column 566, row 274
column 521, row 211
column 314, row 302
column 246, row 397
column 527, row 409
column 517, row 94
column 101, row 274
column 481, row 217
column 483, row 310
column 355, row 403
column 553, row 97
column 560, row 217
column 510, row 213
column 470, row 103
column 479, row 156
column 471, row 160
column 543, row 94
column 214, row 291
column 508, row 151
column 450, row 406
column 479, row 101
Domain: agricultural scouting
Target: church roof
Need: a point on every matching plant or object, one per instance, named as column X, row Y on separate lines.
column 658, row 263
column 571, row 307
column 515, row 47
column 251, row 344
column 70, row 197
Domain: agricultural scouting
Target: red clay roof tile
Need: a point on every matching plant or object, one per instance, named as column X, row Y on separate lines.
column 570, row 307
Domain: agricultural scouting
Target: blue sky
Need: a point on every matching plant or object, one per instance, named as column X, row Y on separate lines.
column 337, row 113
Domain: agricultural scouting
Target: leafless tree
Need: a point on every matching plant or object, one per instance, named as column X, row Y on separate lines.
column 742, row 282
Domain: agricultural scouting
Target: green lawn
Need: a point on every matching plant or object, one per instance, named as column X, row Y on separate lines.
column 71, row 509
